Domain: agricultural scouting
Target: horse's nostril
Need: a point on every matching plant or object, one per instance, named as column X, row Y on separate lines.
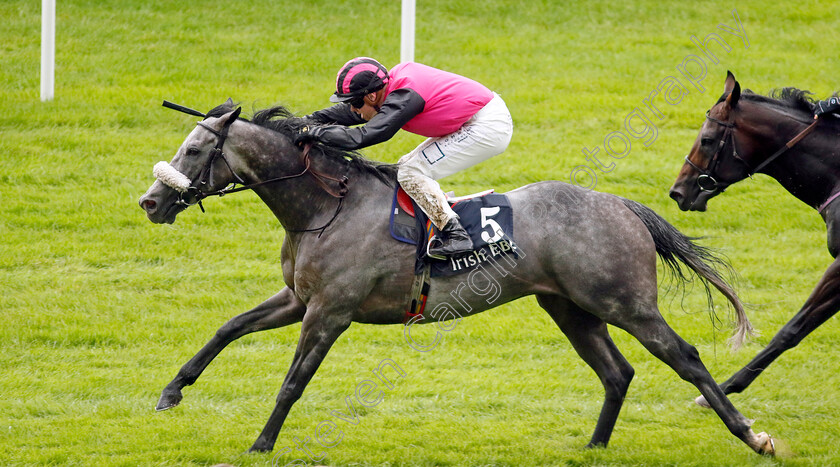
column 675, row 195
column 147, row 204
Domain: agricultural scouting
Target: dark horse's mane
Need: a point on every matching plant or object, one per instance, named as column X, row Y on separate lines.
column 788, row 98
column 283, row 121
column 791, row 98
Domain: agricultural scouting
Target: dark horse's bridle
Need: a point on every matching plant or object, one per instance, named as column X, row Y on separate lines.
column 194, row 195
column 707, row 181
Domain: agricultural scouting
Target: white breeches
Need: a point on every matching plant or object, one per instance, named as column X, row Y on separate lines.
column 484, row 135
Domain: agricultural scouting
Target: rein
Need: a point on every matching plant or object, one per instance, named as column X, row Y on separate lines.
column 707, row 182
column 193, row 195
column 320, row 178
column 789, row 145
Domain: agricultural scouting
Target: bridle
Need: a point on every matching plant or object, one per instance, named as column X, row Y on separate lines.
column 194, row 195
column 707, row 181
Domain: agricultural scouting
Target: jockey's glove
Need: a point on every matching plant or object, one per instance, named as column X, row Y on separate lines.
column 828, row 106
column 305, row 135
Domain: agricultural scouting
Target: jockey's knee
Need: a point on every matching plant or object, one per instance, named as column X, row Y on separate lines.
column 408, row 172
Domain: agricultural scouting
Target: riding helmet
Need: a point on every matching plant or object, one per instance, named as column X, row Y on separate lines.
column 359, row 76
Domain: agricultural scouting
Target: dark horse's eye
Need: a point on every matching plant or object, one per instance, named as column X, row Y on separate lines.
column 192, row 151
column 706, row 142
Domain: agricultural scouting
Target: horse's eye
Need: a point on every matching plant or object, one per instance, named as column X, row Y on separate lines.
column 706, row 142
column 192, row 151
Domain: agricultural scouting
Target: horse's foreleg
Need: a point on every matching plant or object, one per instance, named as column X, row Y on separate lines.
column 319, row 331
column 588, row 335
column 655, row 334
column 823, row 303
column 280, row 310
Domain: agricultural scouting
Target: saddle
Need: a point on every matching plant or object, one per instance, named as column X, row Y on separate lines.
column 487, row 217
column 408, row 205
column 403, row 225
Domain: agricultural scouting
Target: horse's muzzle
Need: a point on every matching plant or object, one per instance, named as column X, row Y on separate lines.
column 161, row 205
column 685, row 203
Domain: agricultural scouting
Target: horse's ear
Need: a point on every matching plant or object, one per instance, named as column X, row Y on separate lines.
column 234, row 115
column 230, row 117
column 229, row 102
column 227, row 119
column 733, row 88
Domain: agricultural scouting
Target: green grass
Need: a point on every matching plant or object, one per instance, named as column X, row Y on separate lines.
column 101, row 307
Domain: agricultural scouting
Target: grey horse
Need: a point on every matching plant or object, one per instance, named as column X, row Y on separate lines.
column 589, row 257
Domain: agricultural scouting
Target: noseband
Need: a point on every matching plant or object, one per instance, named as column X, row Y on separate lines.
column 707, row 181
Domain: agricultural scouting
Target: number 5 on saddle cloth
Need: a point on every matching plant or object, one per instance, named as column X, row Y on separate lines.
column 487, row 217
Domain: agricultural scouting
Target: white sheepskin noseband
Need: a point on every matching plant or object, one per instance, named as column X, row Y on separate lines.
column 170, row 177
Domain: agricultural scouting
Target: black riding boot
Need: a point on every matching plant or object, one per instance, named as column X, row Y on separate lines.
column 451, row 241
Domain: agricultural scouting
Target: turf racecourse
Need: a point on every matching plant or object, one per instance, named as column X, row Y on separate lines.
column 100, row 307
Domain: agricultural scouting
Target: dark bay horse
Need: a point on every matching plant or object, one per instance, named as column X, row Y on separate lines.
column 590, row 258
column 746, row 133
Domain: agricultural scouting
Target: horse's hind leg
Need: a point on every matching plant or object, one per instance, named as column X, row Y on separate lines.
column 664, row 343
column 589, row 337
column 280, row 310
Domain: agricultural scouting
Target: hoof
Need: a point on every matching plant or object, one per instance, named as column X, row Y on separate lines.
column 262, row 444
column 766, row 445
column 257, row 447
column 169, row 399
column 702, row 402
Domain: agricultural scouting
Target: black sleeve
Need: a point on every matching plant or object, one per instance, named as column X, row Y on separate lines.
column 339, row 114
column 399, row 107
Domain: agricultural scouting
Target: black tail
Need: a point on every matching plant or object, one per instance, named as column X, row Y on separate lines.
column 675, row 248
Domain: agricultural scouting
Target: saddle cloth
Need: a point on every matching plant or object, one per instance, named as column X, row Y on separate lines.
column 487, row 217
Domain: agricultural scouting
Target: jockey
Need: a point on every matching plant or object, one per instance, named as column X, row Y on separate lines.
column 465, row 123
